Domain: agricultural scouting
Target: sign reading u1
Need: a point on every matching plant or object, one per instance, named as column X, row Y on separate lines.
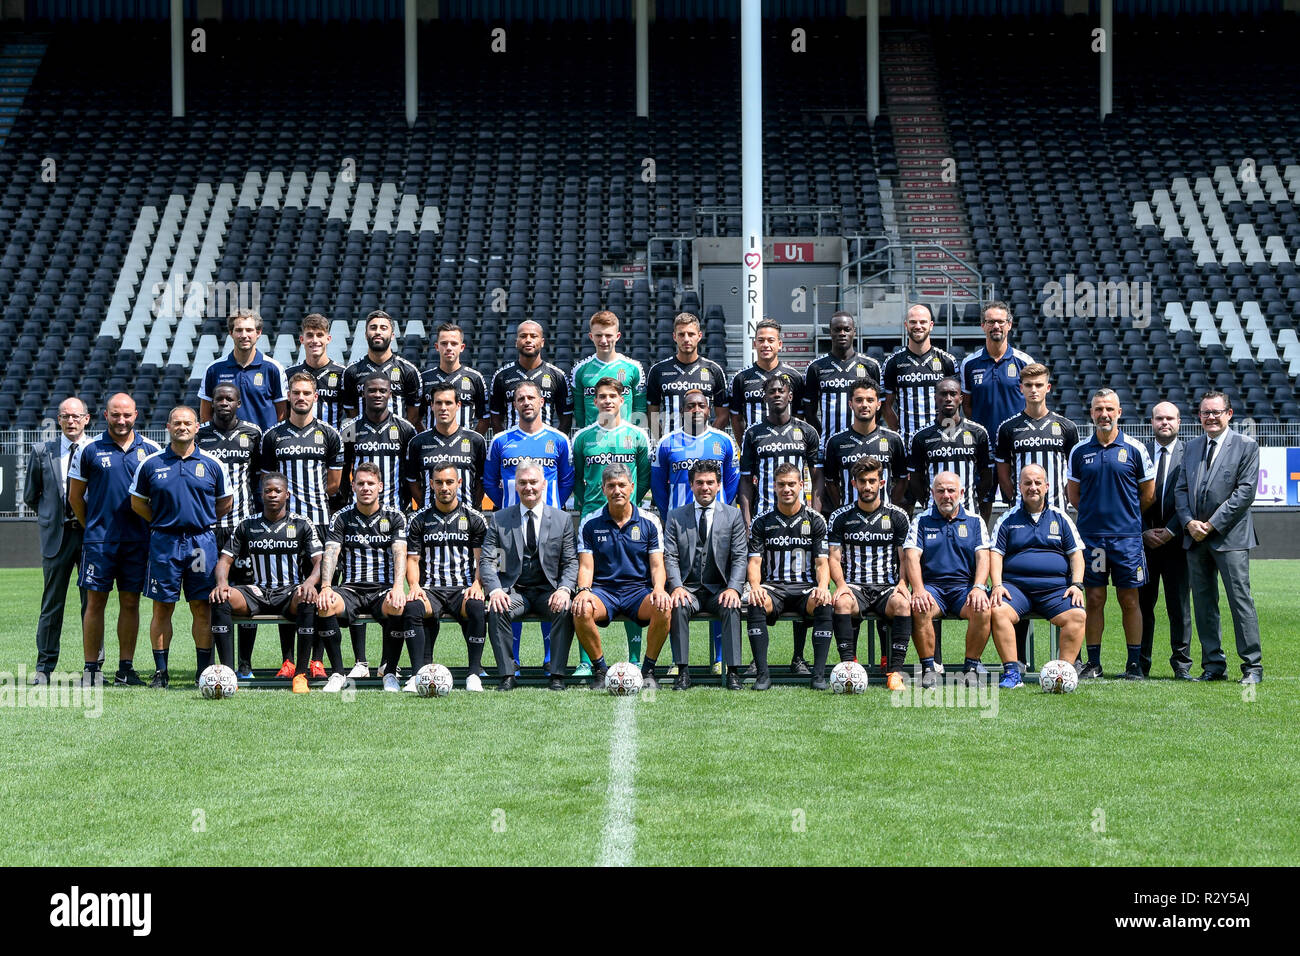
column 792, row 252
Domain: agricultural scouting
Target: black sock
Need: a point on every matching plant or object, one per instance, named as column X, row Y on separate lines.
column 306, row 636
column 391, row 656
column 647, row 665
column 288, row 636
column 900, row 635
column 412, row 625
column 599, row 665
column 222, row 638
column 756, row 618
column 972, row 663
column 800, row 638
column 160, row 660
column 821, row 639
column 327, row 632
column 318, row 647
column 1134, row 657
column 358, row 634
column 247, row 637
column 125, row 667
column 1094, row 654
column 430, row 638
column 92, row 666
column 938, row 640
column 475, row 633
column 1023, row 630
column 203, row 658
column 842, row 625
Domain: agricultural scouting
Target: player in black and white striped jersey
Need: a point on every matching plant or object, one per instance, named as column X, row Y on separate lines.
column 468, row 383
column 551, row 381
column 444, row 546
column 1035, row 436
column 367, row 543
column 953, row 443
column 315, row 339
column 747, row 402
column 378, row 436
column 685, row 370
column 861, row 440
column 447, row 441
column 911, row 374
column 308, row 452
column 866, row 540
column 831, row 378
column 284, row 553
column 402, row 375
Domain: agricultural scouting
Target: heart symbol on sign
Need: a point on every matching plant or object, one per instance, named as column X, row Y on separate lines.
column 752, row 259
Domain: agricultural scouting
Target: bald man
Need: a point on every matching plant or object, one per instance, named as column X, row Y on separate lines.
column 551, row 381
column 1162, row 541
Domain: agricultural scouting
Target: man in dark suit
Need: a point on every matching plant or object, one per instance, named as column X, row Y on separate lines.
column 1166, row 560
column 530, row 564
column 46, row 493
column 1215, row 491
column 705, row 556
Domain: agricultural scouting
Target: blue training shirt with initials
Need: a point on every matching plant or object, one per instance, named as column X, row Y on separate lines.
column 1036, row 549
column 182, row 492
column 108, row 472
column 949, row 547
column 1109, row 477
column 621, row 555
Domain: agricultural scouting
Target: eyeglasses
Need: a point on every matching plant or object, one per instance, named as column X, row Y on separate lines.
column 68, row 417
column 1214, row 413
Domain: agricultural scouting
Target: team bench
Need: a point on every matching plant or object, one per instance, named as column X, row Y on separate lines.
column 535, row 676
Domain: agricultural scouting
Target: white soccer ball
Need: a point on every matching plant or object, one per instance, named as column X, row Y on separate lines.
column 218, row 682
column 623, row 679
column 1058, row 677
column 433, row 680
column 849, row 677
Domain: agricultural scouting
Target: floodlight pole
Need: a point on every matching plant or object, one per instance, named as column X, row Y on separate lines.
column 642, row 57
column 412, row 96
column 751, row 167
column 873, row 60
column 178, row 57
column 1107, row 53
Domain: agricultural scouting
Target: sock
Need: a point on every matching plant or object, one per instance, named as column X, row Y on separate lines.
column 288, row 635
column 756, row 618
column 1011, row 668
column 1022, row 638
column 600, row 665
column 821, row 639
column 842, row 625
column 203, row 658
column 800, row 638
column 546, row 644
column 411, row 628
column 648, row 665
column 715, row 633
column 92, row 666
column 306, row 628
column 927, row 663
column 160, row 660
column 475, row 634
column 247, row 636
column 585, row 658
column 938, row 639
column 1134, row 656
column 358, row 634
column 317, row 647
column 327, row 632
column 391, row 655
column 222, row 638
column 517, row 629
column 900, row 635
column 972, row 663
column 1094, row 654
column 125, row 667
column 633, row 632
column 431, row 629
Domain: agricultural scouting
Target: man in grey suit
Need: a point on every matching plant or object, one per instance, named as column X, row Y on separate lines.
column 1166, row 560
column 530, row 564
column 705, row 557
column 1215, row 491
column 46, row 493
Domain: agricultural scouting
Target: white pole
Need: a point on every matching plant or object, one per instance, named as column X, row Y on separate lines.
column 1107, row 52
column 751, row 166
column 178, row 58
column 412, row 96
column 873, row 60
column 642, row 57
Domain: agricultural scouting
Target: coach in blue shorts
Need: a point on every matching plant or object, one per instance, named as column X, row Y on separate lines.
column 1036, row 564
column 620, row 572
column 946, row 562
column 181, row 491
column 1110, row 481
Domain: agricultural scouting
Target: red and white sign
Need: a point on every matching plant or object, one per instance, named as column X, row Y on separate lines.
column 792, row 252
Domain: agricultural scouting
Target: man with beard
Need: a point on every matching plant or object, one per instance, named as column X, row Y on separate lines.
column 380, row 358
column 670, row 380
column 911, row 374
column 863, row 439
column 468, row 384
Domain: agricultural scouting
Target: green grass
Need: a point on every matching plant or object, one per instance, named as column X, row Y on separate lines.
column 1160, row 773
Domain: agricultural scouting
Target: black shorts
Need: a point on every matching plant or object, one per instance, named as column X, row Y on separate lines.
column 363, row 599
column 446, row 602
column 241, row 571
column 262, row 600
column 788, row 597
column 871, row 598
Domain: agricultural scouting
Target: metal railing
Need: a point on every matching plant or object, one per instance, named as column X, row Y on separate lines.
column 681, row 246
column 711, row 214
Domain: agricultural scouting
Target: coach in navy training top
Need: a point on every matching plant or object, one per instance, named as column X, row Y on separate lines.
column 1111, row 481
column 990, row 377
column 263, row 387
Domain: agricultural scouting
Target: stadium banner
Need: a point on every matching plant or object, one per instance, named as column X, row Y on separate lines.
column 9, row 465
column 1279, row 478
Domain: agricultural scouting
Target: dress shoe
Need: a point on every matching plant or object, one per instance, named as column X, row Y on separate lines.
column 556, row 683
column 751, row 670
column 799, row 668
column 764, row 681
column 733, row 681
column 1251, row 677
column 38, row 678
column 508, row 683
column 1209, row 676
column 682, row 681
column 1090, row 672
column 1182, row 674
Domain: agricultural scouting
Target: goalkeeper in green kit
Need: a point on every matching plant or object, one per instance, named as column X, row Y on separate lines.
column 604, row 334
column 607, row 440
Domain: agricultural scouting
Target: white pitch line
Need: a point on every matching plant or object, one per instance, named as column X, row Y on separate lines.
column 618, row 840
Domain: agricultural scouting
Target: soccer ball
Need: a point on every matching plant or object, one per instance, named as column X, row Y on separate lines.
column 218, row 682
column 1058, row 677
column 849, row 677
column 433, row 680
column 623, row 679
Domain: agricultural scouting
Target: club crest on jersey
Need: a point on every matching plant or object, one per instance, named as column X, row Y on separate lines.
column 622, row 375
column 884, row 444
column 860, row 372
column 797, row 434
column 936, row 365
column 394, row 375
column 967, row 438
column 384, row 525
column 140, row 455
column 550, row 448
column 464, row 444
column 625, row 441
column 243, row 441
column 546, row 380
column 257, row 379
column 392, row 431
column 717, row 448
column 198, row 470
column 465, row 386
column 1056, row 428
column 1011, row 371
column 462, row 524
column 962, row 532
column 1054, row 528
column 884, row 522
column 332, row 381
column 318, row 437
column 636, row 532
column 290, row 531
column 1123, row 455
column 805, row 527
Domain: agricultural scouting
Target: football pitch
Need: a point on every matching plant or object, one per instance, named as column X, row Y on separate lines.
column 1160, row 773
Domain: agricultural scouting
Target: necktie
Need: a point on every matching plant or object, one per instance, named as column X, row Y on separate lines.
column 67, row 508
column 1205, row 472
column 1161, row 471
column 530, row 537
column 1209, row 452
column 702, row 546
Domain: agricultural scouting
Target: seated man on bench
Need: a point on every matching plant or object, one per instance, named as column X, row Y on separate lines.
column 946, row 562
column 279, row 547
column 1036, row 564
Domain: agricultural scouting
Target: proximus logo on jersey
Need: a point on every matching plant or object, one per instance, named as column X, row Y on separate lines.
column 788, row 541
column 1033, row 441
column 612, row 457
column 313, row 451
column 515, row 460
